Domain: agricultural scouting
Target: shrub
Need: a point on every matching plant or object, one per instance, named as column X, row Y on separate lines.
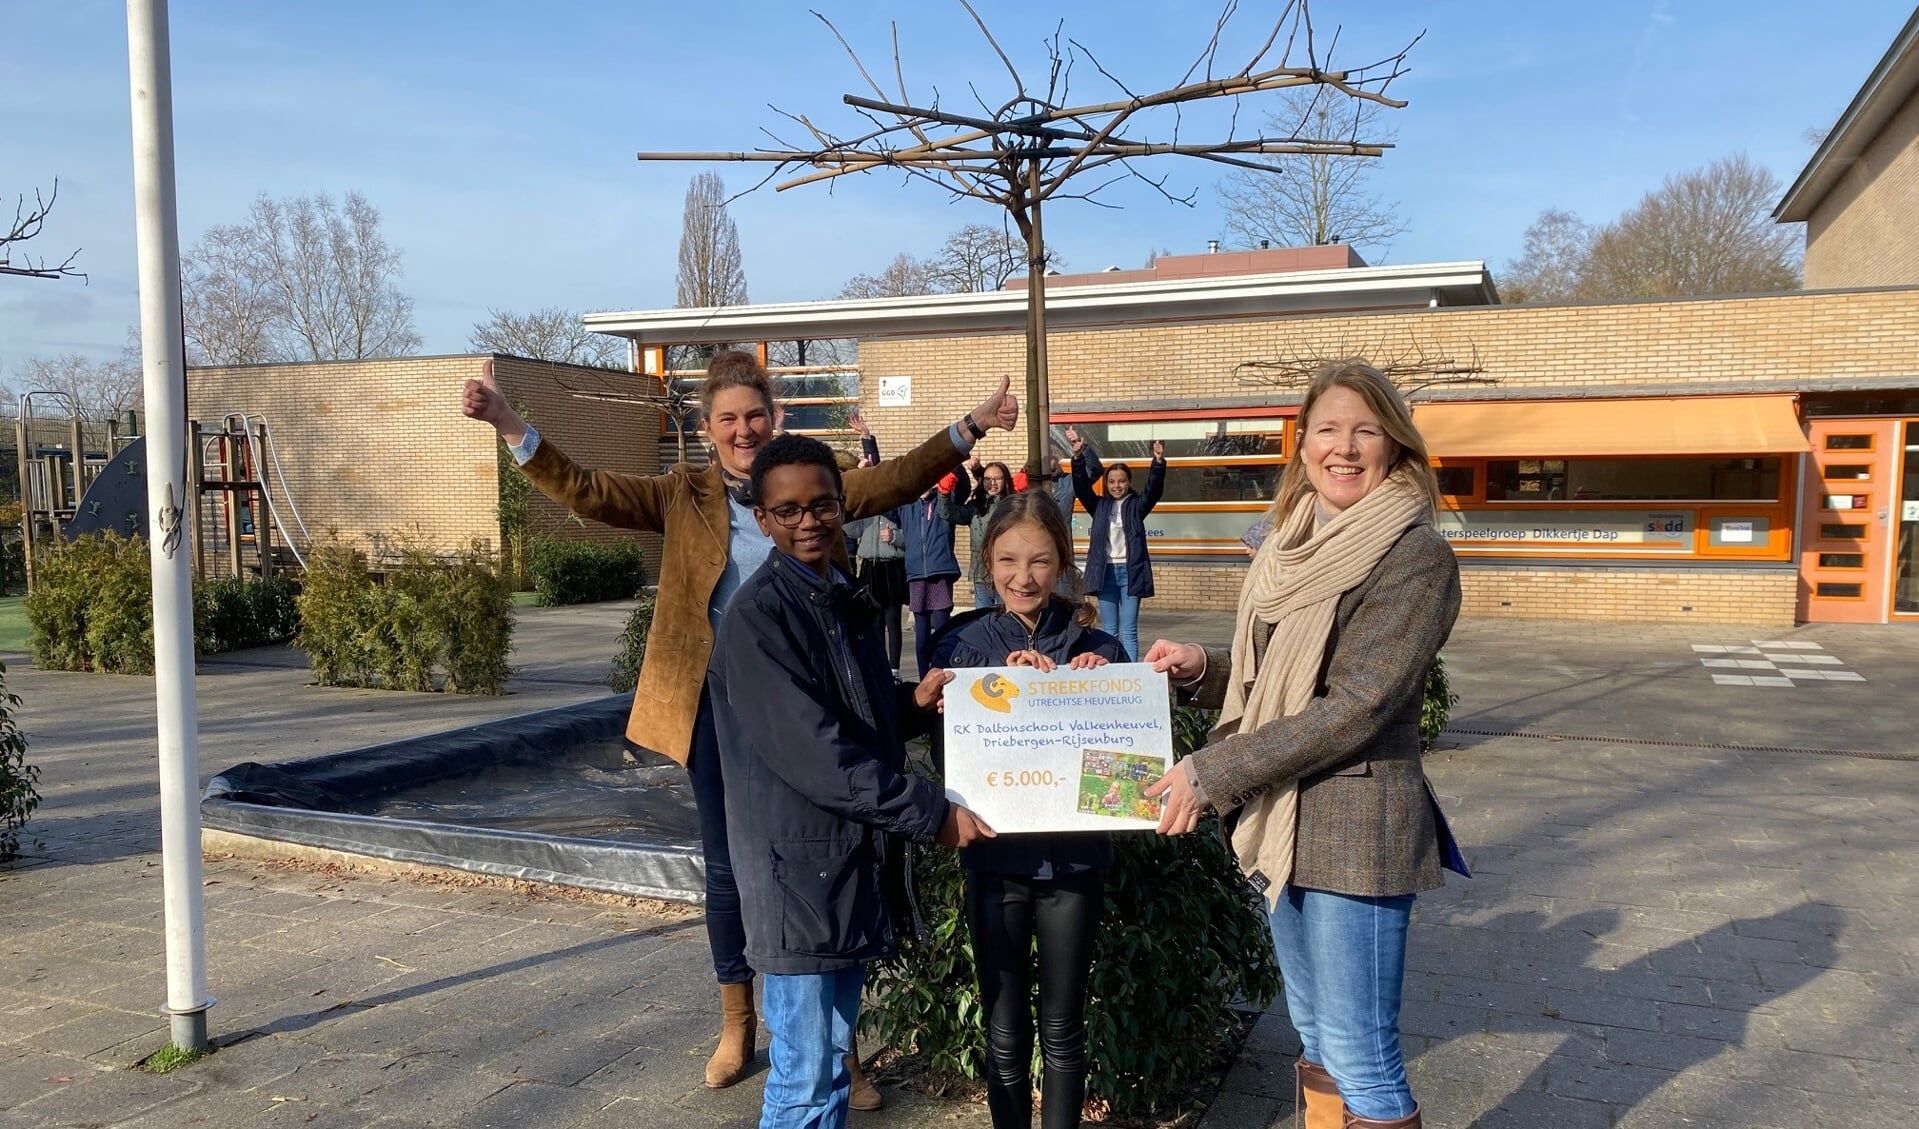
column 586, row 572
column 233, row 614
column 19, row 793
column 625, row 674
column 1180, row 924
column 1437, row 708
column 91, row 607
column 429, row 612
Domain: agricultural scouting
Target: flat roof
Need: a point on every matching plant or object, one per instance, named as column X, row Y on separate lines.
column 1886, row 90
column 1001, row 311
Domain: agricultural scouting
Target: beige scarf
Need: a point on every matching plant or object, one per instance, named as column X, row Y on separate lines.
column 1295, row 584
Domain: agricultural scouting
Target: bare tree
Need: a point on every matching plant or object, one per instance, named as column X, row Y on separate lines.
column 904, row 275
column 1551, row 266
column 1315, row 198
column 979, row 257
column 1708, row 231
column 301, row 279
column 231, row 311
column 547, row 335
column 100, row 390
column 27, row 223
column 710, row 270
column 1153, row 257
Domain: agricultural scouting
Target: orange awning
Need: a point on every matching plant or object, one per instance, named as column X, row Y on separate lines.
column 1552, row 429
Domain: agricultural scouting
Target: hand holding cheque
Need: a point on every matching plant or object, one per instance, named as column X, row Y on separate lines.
column 1035, row 746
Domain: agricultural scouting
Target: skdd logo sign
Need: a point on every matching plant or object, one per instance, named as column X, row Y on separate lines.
column 995, row 693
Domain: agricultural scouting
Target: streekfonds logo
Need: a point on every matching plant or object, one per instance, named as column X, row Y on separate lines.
column 995, row 693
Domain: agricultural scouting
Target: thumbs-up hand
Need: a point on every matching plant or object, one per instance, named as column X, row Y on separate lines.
column 1001, row 409
column 481, row 400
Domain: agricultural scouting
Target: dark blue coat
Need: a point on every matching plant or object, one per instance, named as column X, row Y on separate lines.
column 984, row 638
column 929, row 539
column 1133, row 508
column 812, row 737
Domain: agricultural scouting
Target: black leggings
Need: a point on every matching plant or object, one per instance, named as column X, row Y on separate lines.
column 1003, row 915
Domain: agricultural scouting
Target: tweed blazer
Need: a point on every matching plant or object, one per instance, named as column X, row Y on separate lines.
column 1366, row 824
column 690, row 508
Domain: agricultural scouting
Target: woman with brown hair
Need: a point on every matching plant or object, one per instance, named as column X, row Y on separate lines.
column 1315, row 761
column 712, row 543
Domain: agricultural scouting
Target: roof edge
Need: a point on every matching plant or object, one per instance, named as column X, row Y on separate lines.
column 1890, row 83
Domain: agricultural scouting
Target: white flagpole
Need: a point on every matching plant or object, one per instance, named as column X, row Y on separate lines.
column 157, row 229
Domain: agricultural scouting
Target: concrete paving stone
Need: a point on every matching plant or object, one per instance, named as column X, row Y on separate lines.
column 1487, row 1063
column 50, row 976
column 1244, row 1111
column 1660, row 1050
column 1734, row 946
column 331, row 1079
column 41, row 1014
column 311, row 1115
column 1261, row 1075
column 361, row 1030
column 210, row 1107
column 630, row 1113
column 1273, row 1033
column 648, row 1073
column 583, row 1016
column 559, row 1059
column 534, row 1103
column 29, row 1074
column 1530, row 1110
column 1848, row 1040
column 104, row 1095
column 1731, row 1025
column 1603, row 1009
column 93, row 1033
column 1888, row 1081
column 1811, row 1072
column 1759, row 1105
column 423, row 1088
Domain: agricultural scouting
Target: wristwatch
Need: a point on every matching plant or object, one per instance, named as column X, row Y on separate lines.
column 972, row 428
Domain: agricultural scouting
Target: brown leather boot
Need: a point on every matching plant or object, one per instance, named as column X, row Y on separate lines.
column 739, row 1027
column 1410, row 1121
column 1316, row 1100
column 866, row 1096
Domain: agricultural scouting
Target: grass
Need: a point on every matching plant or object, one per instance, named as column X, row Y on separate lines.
column 13, row 623
column 527, row 599
column 170, row 1058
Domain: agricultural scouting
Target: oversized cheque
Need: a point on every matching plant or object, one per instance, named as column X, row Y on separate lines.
column 1071, row 750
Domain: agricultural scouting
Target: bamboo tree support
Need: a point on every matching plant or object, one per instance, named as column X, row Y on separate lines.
column 1037, row 143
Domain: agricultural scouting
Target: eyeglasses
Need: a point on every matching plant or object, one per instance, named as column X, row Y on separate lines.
column 824, row 510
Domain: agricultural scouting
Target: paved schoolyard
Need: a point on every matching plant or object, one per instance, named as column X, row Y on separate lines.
column 1696, row 903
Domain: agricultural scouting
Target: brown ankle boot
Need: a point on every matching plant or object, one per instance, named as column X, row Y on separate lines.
column 865, row 1096
column 1410, row 1121
column 1316, row 1100
column 739, row 1027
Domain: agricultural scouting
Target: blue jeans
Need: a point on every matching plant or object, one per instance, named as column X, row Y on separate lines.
column 1344, row 962
column 725, row 933
column 810, row 1019
column 1119, row 610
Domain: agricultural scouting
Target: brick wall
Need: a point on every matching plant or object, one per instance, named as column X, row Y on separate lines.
column 380, row 447
column 597, row 434
column 1864, row 232
column 1760, row 597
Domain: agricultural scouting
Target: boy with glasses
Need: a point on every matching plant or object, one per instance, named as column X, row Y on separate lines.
column 812, row 730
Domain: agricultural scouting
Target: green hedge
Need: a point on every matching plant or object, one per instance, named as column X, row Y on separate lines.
column 19, row 793
column 1182, row 939
column 428, row 613
column 625, row 674
column 91, row 608
column 1437, row 708
column 586, row 572
column 232, row 614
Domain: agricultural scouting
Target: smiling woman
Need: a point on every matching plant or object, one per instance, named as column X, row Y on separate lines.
column 714, row 543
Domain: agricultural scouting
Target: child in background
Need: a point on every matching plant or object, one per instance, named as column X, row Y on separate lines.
column 811, row 735
column 931, row 564
column 1018, row 887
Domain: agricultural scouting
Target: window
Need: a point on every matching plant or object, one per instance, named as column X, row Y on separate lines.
column 1457, row 481
column 1623, row 480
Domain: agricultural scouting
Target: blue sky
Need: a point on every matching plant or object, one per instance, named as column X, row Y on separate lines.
column 497, row 139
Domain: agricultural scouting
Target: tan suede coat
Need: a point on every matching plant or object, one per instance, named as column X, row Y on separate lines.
column 689, row 508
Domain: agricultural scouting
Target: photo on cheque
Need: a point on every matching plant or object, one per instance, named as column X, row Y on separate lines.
column 1061, row 750
column 1111, row 783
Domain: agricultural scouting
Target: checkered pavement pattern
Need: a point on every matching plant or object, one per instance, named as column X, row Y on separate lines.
column 1772, row 662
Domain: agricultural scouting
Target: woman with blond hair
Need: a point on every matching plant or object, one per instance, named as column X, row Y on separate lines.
column 712, row 544
column 1315, row 762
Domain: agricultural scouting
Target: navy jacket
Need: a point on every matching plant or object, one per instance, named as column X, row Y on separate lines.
column 929, row 539
column 1133, row 509
column 984, row 638
column 812, row 739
